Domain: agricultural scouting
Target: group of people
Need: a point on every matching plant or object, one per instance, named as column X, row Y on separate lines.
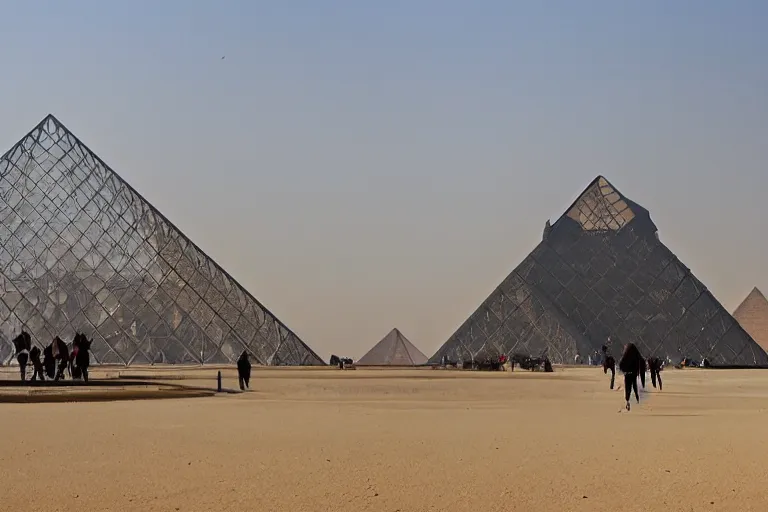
column 633, row 365
column 56, row 357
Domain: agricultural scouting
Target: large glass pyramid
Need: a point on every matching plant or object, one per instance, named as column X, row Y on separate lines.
column 80, row 250
column 602, row 276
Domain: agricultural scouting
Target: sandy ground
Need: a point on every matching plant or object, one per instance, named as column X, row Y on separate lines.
column 365, row 440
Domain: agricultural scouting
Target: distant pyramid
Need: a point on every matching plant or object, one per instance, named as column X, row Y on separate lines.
column 599, row 274
column 81, row 250
column 752, row 315
column 393, row 350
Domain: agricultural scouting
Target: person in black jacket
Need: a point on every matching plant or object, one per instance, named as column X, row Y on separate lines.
column 37, row 365
column 49, row 362
column 609, row 363
column 243, row 370
column 81, row 346
column 23, row 344
column 61, row 352
column 655, row 365
column 630, row 365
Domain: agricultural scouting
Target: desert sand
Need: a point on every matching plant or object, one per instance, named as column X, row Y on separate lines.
column 407, row 440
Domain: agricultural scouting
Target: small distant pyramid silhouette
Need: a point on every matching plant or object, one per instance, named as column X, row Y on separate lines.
column 393, row 350
column 81, row 250
column 752, row 315
column 602, row 276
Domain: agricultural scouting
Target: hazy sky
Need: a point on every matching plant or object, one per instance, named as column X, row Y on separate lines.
column 364, row 165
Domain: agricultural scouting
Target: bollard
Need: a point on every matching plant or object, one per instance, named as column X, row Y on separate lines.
column 218, row 379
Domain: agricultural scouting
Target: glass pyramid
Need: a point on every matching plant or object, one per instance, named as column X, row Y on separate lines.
column 80, row 250
column 602, row 276
column 752, row 315
column 394, row 349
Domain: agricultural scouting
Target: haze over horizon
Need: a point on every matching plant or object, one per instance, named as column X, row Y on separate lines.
column 364, row 167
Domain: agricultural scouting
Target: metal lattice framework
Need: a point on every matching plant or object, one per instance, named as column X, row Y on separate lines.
column 81, row 250
column 602, row 273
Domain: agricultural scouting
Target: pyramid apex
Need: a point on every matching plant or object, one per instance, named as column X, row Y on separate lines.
column 755, row 294
column 395, row 332
column 600, row 178
column 44, row 122
column 50, row 117
column 601, row 207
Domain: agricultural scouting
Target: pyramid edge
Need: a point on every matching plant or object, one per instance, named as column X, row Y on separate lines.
column 37, row 127
column 410, row 347
column 361, row 361
column 756, row 293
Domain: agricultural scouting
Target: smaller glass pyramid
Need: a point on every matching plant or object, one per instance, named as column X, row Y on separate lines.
column 393, row 350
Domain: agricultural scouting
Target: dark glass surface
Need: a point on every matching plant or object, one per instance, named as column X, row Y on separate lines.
column 601, row 275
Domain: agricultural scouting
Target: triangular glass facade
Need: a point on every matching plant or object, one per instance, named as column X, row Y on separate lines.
column 80, row 250
column 602, row 276
column 393, row 350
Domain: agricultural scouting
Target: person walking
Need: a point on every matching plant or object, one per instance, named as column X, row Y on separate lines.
column 243, row 370
column 655, row 365
column 37, row 365
column 82, row 358
column 609, row 363
column 630, row 365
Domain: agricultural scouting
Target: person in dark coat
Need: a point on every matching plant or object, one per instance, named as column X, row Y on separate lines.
column 37, row 365
column 243, row 370
column 49, row 362
column 60, row 351
column 643, row 369
column 22, row 343
column 74, row 371
column 83, row 360
column 609, row 363
column 655, row 365
column 80, row 355
column 630, row 365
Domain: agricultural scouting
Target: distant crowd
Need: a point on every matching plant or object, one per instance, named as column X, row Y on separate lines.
column 57, row 358
column 487, row 362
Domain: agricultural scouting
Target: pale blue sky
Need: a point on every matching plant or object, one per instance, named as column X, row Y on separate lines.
column 364, row 165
